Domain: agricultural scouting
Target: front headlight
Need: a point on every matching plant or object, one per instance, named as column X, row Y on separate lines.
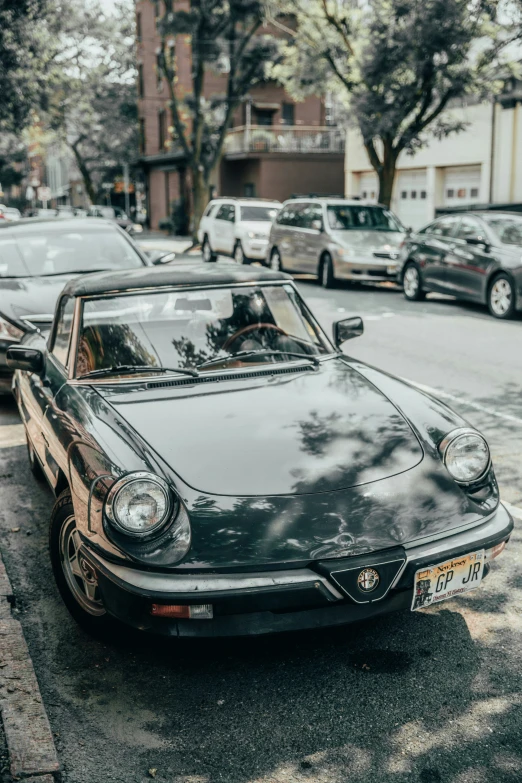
column 257, row 235
column 345, row 252
column 465, row 454
column 139, row 504
column 10, row 332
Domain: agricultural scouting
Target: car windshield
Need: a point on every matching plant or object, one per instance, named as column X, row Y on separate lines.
column 259, row 213
column 212, row 329
column 507, row 229
column 343, row 217
column 38, row 253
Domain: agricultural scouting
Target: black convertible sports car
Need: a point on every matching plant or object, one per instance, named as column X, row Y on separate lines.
column 221, row 467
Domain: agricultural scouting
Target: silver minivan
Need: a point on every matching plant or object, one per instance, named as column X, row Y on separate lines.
column 336, row 239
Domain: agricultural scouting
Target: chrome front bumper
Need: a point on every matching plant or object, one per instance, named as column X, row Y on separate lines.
column 288, row 599
column 367, row 270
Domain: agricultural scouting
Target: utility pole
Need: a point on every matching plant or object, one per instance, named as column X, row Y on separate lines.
column 126, row 188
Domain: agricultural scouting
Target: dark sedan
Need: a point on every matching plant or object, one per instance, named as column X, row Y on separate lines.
column 38, row 257
column 475, row 256
column 221, row 468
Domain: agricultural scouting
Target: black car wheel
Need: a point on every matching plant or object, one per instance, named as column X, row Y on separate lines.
column 275, row 260
column 208, row 254
column 326, row 272
column 239, row 256
column 75, row 577
column 501, row 297
column 411, row 283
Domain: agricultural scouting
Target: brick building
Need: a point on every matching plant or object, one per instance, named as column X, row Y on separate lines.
column 275, row 147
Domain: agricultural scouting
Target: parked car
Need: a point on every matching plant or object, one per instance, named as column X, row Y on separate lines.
column 336, row 239
column 221, row 468
column 11, row 213
column 238, row 228
column 37, row 258
column 116, row 214
column 475, row 256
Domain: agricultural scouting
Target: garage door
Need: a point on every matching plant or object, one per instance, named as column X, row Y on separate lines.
column 369, row 186
column 410, row 200
column 461, row 186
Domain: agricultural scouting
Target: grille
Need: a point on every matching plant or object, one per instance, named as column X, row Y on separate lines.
column 212, row 378
column 381, row 254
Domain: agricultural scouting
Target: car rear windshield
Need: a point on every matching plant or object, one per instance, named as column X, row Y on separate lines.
column 507, row 229
column 259, row 213
column 191, row 328
column 40, row 253
column 354, row 218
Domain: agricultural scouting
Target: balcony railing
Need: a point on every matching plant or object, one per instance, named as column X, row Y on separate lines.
column 284, row 138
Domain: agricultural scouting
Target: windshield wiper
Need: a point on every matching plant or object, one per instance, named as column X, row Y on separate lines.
column 133, row 368
column 263, row 352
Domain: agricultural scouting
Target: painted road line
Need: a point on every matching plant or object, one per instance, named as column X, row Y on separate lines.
column 462, row 401
column 11, row 435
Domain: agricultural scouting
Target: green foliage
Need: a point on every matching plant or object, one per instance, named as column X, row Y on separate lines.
column 397, row 64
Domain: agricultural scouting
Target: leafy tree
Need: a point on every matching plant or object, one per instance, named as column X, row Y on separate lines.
column 222, row 35
column 22, row 49
column 398, row 64
column 91, row 89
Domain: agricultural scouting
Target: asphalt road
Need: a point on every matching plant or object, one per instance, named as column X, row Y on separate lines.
column 429, row 697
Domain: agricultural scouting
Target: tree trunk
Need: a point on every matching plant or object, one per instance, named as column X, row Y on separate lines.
column 199, row 200
column 84, row 171
column 386, row 175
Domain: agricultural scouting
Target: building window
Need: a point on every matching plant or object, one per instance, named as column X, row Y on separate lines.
column 264, row 116
column 142, row 135
column 250, row 189
column 414, row 194
column 288, row 114
column 162, row 136
column 138, row 27
column 159, row 72
column 423, row 194
column 141, row 83
column 461, row 193
column 156, row 9
column 364, row 194
column 474, row 192
column 450, row 193
column 404, row 194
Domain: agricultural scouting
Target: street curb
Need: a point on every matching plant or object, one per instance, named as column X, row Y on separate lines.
column 32, row 754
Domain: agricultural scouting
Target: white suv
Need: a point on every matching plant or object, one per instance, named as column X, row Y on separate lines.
column 237, row 227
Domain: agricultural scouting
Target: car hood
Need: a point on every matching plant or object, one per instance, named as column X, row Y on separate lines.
column 372, row 241
column 31, row 296
column 310, row 431
column 257, row 226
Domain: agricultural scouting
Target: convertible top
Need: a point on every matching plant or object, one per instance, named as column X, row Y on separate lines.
column 190, row 273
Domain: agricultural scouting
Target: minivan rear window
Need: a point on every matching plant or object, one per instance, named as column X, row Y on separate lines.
column 354, row 218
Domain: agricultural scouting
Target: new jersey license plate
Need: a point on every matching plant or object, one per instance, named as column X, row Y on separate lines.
column 445, row 580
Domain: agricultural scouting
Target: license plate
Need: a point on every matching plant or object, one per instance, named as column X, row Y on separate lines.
column 446, row 580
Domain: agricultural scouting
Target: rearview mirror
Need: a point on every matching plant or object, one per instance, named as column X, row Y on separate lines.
column 27, row 359
column 160, row 256
column 347, row 329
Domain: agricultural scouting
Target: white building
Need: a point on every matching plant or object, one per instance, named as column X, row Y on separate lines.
column 481, row 165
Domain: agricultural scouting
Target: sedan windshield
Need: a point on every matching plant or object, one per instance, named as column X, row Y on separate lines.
column 203, row 330
column 259, row 214
column 39, row 253
column 507, row 229
column 353, row 218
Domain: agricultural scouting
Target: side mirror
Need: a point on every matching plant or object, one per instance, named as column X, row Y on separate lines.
column 160, row 256
column 317, row 225
column 27, row 359
column 479, row 242
column 347, row 330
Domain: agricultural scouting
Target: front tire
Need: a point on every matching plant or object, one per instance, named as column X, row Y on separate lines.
column 412, row 284
column 239, row 256
column 326, row 272
column 75, row 578
column 501, row 297
column 209, row 257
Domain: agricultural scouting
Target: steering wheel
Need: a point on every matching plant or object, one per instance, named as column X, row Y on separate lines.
column 250, row 328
